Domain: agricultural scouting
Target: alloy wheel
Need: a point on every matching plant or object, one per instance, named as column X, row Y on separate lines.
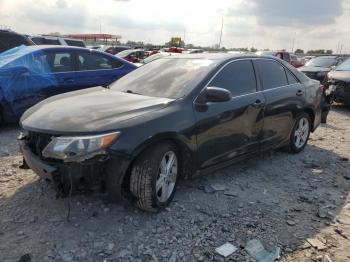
column 301, row 133
column 167, row 176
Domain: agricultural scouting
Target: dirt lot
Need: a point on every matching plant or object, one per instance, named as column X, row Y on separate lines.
column 280, row 199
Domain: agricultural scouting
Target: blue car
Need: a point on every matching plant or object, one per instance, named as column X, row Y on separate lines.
column 29, row 74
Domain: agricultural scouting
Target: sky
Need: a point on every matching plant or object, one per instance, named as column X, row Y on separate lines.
column 273, row 24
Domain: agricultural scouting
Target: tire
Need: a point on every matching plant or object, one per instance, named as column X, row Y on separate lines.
column 151, row 182
column 300, row 136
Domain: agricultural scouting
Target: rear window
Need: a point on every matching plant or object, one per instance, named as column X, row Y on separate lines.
column 51, row 41
column 11, row 40
column 71, row 42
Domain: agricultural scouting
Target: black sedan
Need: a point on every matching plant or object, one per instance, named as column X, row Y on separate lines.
column 339, row 83
column 318, row 67
column 175, row 117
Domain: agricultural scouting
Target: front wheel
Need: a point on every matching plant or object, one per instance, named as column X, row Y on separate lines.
column 300, row 133
column 154, row 176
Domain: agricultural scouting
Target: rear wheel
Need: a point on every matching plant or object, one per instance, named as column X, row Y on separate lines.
column 154, row 176
column 300, row 133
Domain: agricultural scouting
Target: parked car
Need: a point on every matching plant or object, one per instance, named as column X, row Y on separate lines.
column 133, row 55
column 33, row 73
column 55, row 40
column 10, row 39
column 286, row 56
column 155, row 57
column 295, row 61
column 317, row 68
column 174, row 49
column 115, row 49
column 339, row 83
column 174, row 117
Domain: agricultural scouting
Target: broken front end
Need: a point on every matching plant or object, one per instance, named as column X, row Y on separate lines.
column 340, row 91
column 72, row 163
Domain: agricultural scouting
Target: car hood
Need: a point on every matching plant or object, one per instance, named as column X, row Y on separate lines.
column 339, row 75
column 91, row 110
column 313, row 69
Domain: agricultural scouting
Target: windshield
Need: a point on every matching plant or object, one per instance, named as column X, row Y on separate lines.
column 345, row 66
column 153, row 57
column 125, row 53
column 321, row 62
column 170, row 78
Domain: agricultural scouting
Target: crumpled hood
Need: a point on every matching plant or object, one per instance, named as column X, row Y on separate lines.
column 313, row 69
column 88, row 111
column 340, row 76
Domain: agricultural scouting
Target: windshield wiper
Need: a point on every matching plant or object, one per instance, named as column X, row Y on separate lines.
column 131, row 92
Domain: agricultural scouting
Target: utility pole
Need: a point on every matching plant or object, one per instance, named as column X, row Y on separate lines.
column 222, row 26
column 100, row 25
column 295, row 36
column 338, row 47
column 184, row 34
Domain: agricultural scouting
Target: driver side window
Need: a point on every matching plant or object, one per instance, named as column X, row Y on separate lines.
column 238, row 77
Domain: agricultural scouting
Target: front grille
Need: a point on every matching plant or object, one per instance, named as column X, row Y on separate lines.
column 37, row 142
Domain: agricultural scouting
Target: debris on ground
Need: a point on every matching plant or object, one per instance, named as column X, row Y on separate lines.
column 260, row 195
column 341, row 232
column 226, row 249
column 326, row 258
column 290, row 222
column 314, row 242
column 255, row 248
column 25, row 258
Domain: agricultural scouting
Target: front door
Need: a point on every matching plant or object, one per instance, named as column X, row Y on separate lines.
column 230, row 129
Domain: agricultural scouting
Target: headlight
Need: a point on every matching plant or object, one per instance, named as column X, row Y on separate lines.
column 73, row 148
column 321, row 74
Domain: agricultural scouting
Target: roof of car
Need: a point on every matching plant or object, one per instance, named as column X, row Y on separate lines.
column 16, row 52
column 216, row 56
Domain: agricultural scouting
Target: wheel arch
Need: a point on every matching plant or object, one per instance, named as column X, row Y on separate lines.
column 181, row 142
column 311, row 113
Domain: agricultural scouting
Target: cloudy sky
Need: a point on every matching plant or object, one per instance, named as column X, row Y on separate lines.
column 273, row 24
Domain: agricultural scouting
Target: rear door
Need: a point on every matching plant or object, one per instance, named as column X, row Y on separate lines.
column 284, row 97
column 226, row 130
column 94, row 69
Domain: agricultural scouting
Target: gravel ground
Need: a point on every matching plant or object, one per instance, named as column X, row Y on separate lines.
column 280, row 199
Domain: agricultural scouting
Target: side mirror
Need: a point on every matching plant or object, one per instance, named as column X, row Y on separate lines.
column 216, row 94
column 333, row 67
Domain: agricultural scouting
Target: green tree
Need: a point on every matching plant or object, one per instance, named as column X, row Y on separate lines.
column 299, row 51
column 253, row 49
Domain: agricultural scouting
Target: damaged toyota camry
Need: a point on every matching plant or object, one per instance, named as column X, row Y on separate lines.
column 175, row 117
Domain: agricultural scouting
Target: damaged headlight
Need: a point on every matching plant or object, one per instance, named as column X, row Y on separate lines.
column 73, row 148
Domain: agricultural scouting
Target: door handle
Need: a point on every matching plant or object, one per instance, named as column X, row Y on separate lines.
column 258, row 103
column 68, row 80
column 300, row 93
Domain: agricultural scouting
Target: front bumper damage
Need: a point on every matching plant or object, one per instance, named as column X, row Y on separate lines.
column 341, row 91
column 86, row 175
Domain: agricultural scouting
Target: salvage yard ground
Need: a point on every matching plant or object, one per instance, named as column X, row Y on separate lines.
column 295, row 202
